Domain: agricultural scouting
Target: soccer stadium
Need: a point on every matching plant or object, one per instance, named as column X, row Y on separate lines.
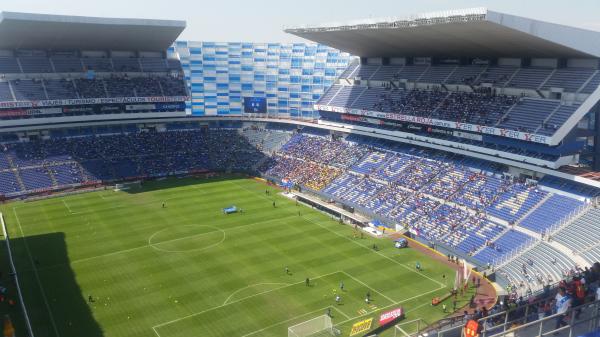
column 432, row 175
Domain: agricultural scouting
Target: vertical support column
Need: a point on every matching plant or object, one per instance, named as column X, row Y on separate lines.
column 596, row 161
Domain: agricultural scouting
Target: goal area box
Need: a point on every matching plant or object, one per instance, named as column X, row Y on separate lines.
column 316, row 327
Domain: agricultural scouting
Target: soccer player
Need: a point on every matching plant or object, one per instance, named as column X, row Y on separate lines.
column 418, row 266
column 163, row 204
column 329, row 312
column 307, row 281
column 444, row 307
column 90, row 299
column 287, row 270
column 342, row 285
column 273, row 204
column 338, row 299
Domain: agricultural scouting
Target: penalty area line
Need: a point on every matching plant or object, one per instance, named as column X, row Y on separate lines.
column 242, row 299
column 67, row 206
column 294, row 318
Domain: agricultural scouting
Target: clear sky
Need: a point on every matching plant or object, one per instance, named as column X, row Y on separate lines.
column 263, row 20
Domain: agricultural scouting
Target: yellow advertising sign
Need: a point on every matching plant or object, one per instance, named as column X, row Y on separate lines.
column 361, row 326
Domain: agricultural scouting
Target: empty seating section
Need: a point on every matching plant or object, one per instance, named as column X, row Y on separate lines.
column 570, row 187
column 528, row 114
column 516, row 201
column 153, row 64
column 329, row 94
column 28, row 90
column 35, row 178
column 365, row 72
column 347, row 96
column 498, row 76
column 570, row 79
column 387, row 73
column 530, row 78
column 97, row 64
column 537, row 267
column 593, row 84
column 8, row 183
column 550, row 212
column 508, row 242
column 126, row 64
column 465, row 74
column 5, row 93
column 350, row 70
column 558, row 118
column 582, row 235
column 74, row 64
column 59, row 89
column 9, row 65
column 437, row 74
column 35, row 64
column 411, row 73
column 67, row 64
column 114, row 86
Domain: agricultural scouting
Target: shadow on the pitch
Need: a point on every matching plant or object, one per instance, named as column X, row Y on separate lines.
column 62, row 296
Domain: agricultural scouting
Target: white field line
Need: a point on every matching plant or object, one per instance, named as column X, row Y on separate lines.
column 348, row 318
column 67, row 206
column 394, row 304
column 150, row 245
column 355, row 242
column 294, row 318
column 241, row 299
column 37, row 276
column 253, row 285
column 364, row 284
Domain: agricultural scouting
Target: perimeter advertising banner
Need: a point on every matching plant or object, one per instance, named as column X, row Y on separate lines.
column 92, row 101
column 90, row 109
column 529, row 137
column 389, row 316
column 361, row 326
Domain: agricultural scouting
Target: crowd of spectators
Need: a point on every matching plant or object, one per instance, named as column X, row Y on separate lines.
column 141, row 154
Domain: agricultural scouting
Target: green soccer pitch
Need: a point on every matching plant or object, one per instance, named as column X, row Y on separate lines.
column 188, row 270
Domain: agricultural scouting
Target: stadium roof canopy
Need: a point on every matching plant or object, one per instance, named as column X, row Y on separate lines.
column 460, row 33
column 59, row 32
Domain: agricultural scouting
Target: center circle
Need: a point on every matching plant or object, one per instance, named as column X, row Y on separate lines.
column 186, row 238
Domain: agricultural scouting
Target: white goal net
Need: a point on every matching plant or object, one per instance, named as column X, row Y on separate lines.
column 316, row 327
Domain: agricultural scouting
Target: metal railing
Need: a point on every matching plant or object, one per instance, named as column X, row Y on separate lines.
column 506, row 258
column 16, row 277
column 571, row 217
column 526, row 321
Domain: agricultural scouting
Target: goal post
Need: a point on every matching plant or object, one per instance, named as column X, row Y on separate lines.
column 316, row 327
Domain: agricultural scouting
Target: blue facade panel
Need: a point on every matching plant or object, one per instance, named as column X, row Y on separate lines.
column 278, row 72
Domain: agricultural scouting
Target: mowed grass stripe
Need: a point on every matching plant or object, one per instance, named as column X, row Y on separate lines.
column 139, row 289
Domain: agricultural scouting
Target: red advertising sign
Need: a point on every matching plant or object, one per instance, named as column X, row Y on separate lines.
column 389, row 316
column 471, row 329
